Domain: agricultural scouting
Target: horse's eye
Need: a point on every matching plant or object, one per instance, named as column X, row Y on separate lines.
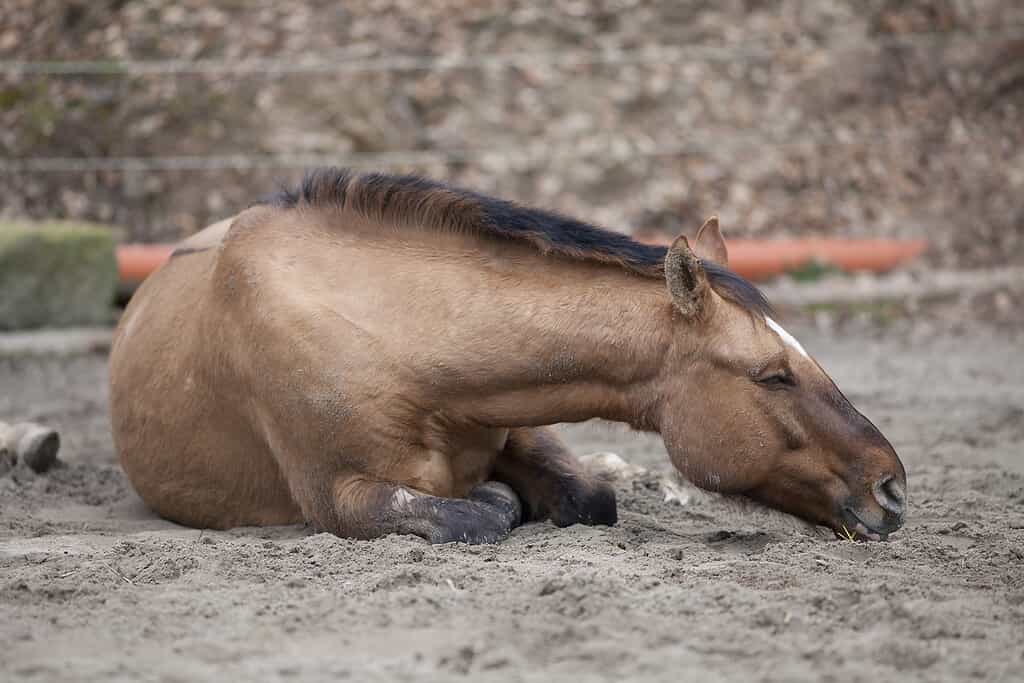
column 782, row 378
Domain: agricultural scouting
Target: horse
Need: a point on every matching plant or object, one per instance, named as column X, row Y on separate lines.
column 376, row 354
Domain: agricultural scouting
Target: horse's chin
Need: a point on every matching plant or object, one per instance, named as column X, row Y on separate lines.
column 683, row 492
column 858, row 532
column 848, row 525
column 855, row 526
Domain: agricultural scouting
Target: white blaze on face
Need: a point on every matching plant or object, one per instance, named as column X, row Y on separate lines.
column 787, row 338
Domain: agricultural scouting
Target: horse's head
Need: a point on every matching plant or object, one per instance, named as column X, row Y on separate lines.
column 767, row 423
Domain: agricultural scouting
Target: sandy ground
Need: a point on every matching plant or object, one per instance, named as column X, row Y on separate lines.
column 93, row 587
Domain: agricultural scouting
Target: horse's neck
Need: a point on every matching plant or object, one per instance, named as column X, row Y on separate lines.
column 569, row 342
column 496, row 331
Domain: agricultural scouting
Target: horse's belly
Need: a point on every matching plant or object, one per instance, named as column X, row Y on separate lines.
column 473, row 462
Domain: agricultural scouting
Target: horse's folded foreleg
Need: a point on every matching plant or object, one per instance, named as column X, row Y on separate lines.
column 551, row 482
column 370, row 509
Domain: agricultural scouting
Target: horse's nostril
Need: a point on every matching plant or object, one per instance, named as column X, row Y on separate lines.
column 890, row 495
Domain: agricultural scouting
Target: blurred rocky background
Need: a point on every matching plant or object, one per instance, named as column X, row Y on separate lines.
column 787, row 117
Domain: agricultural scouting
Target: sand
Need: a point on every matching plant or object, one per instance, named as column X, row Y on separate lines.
column 94, row 587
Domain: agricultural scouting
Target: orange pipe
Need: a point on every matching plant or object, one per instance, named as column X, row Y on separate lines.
column 136, row 261
column 763, row 259
column 754, row 259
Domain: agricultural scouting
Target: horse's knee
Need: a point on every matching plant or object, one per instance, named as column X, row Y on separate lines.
column 586, row 501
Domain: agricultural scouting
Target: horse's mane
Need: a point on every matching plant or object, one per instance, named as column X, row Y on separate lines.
column 403, row 199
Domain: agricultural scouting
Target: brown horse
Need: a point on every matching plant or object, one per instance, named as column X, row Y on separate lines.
column 376, row 354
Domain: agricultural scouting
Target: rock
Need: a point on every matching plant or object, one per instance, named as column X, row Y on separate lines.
column 611, row 466
column 7, row 461
column 679, row 491
column 56, row 274
column 32, row 444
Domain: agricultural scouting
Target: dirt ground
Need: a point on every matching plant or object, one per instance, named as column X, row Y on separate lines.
column 94, row 587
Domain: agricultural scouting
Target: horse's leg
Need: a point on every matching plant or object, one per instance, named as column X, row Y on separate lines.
column 366, row 509
column 551, row 482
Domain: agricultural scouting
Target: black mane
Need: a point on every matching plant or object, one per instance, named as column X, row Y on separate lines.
column 412, row 199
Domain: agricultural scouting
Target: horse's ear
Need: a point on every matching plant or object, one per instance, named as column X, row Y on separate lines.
column 709, row 243
column 687, row 281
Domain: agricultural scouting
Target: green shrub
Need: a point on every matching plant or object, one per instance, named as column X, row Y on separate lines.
column 56, row 274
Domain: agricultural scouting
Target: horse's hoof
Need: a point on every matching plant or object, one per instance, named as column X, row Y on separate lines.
column 500, row 496
column 487, row 515
column 33, row 444
column 591, row 503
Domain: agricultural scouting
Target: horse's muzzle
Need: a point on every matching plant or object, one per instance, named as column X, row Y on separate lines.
column 860, row 519
column 889, row 494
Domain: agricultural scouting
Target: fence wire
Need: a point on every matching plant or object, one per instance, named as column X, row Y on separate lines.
column 643, row 55
column 622, row 149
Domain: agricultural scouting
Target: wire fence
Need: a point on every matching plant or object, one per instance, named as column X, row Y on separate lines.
column 612, row 57
column 623, row 149
column 616, row 149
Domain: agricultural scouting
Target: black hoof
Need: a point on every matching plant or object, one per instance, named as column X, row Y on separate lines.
column 590, row 503
column 487, row 516
column 501, row 497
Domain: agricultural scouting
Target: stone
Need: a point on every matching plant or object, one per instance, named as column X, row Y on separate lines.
column 31, row 443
